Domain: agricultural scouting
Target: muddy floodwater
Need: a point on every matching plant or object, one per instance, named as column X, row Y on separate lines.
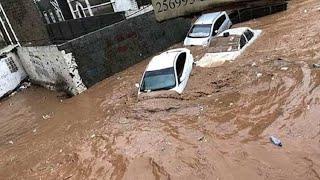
column 219, row 128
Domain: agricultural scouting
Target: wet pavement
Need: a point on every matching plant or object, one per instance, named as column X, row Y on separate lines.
column 219, row 128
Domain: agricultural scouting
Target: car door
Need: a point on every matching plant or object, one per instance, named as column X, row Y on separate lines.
column 216, row 26
column 182, row 71
column 249, row 34
column 221, row 23
column 243, row 42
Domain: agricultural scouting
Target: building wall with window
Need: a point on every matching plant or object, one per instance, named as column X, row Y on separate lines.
column 26, row 23
column 11, row 71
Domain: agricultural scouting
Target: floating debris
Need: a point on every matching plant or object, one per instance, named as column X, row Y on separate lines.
column 275, row 141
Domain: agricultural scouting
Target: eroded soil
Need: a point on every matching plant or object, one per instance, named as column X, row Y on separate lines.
column 218, row 129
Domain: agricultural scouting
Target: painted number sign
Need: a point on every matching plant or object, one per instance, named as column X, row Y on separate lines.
column 166, row 9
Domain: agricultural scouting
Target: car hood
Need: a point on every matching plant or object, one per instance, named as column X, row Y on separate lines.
column 196, row 41
column 216, row 59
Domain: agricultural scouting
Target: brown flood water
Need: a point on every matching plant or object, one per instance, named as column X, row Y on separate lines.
column 218, row 129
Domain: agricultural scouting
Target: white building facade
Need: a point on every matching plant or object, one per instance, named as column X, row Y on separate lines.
column 86, row 8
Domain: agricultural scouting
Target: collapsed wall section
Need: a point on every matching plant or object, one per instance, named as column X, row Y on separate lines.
column 52, row 68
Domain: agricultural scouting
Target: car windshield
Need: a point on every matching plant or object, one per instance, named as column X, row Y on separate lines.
column 224, row 44
column 163, row 79
column 200, row 30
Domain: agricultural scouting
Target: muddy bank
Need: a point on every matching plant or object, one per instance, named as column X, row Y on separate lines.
column 218, row 129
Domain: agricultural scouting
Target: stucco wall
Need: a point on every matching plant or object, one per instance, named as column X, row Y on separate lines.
column 51, row 68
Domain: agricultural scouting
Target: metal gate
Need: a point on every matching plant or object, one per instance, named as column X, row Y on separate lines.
column 6, row 29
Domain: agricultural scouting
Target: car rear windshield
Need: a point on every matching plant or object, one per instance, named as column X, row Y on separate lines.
column 200, row 30
column 224, row 44
column 163, row 79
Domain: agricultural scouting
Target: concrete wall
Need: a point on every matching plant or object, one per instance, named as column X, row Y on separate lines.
column 51, row 68
column 26, row 22
column 64, row 31
column 10, row 80
column 102, row 53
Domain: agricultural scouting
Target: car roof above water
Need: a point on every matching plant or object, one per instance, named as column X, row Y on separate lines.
column 207, row 18
column 164, row 60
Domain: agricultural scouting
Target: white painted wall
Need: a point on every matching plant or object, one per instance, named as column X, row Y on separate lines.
column 51, row 68
column 9, row 81
column 124, row 5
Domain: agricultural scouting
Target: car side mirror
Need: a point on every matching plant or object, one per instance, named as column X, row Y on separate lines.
column 215, row 32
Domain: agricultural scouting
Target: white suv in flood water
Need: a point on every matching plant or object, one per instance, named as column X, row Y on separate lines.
column 206, row 27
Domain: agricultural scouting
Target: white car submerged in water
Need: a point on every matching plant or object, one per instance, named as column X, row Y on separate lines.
column 168, row 71
column 228, row 46
column 206, row 27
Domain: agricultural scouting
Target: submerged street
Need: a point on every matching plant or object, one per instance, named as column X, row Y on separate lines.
column 219, row 128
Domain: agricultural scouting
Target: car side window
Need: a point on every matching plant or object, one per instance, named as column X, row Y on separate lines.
column 248, row 34
column 243, row 41
column 180, row 63
column 218, row 24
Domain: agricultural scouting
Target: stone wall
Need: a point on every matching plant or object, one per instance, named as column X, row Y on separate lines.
column 109, row 50
column 67, row 30
column 26, row 22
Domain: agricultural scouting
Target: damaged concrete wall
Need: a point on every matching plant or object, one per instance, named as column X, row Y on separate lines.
column 11, row 74
column 109, row 50
column 51, row 68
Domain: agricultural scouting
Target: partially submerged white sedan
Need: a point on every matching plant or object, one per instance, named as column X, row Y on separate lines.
column 228, row 45
column 167, row 71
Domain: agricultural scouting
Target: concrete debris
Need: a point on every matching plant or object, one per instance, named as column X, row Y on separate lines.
column 10, row 142
column 46, row 116
column 68, row 177
column 308, row 107
column 124, row 121
column 284, row 68
column 202, row 139
column 93, row 136
column 24, row 85
column 259, row 75
column 253, row 64
column 316, row 65
column 13, row 94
